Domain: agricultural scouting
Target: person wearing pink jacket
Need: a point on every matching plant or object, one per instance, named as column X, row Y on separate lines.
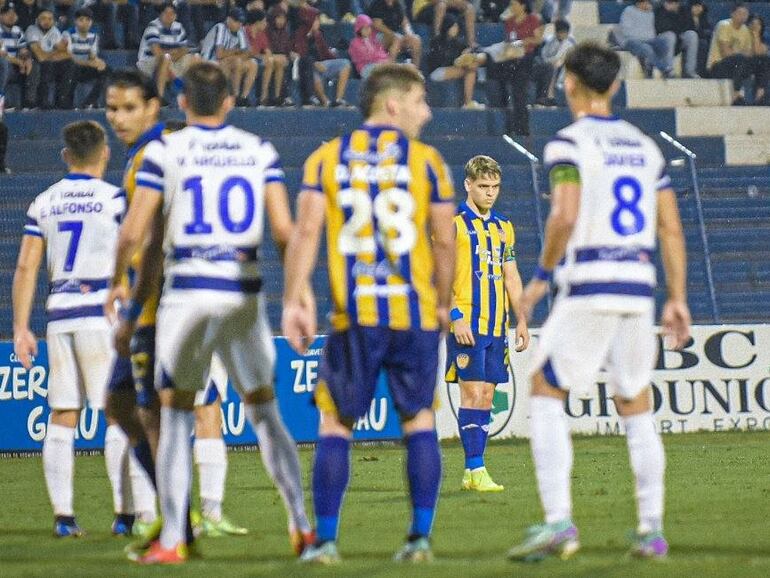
column 365, row 50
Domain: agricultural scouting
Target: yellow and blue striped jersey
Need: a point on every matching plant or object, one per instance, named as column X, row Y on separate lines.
column 379, row 186
column 483, row 245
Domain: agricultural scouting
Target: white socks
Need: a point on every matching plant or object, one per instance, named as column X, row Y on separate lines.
column 552, row 452
column 174, row 470
column 59, row 465
column 143, row 492
column 279, row 454
column 116, row 452
column 648, row 461
column 211, row 457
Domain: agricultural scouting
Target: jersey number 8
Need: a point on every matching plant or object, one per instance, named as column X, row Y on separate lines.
column 627, row 219
column 392, row 210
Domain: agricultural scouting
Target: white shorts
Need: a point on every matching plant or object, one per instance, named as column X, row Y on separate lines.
column 189, row 333
column 80, row 364
column 576, row 343
column 215, row 384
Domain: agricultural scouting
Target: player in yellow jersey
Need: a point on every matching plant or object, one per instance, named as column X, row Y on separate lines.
column 486, row 285
column 388, row 202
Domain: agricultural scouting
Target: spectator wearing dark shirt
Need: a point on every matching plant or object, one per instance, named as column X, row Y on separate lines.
column 50, row 50
column 16, row 64
column 433, row 12
column 27, row 11
column 700, row 16
column 280, row 40
column 393, row 27
column 760, row 60
column 83, row 44
column 450, row 58
column 107, row 13
column 674, row 22
column 273, row 65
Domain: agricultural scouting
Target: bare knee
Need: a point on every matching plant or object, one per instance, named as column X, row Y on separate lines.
column 635, row 406
column 65, row 417
column 541, row 387
column 424, row 420
column 332, row 425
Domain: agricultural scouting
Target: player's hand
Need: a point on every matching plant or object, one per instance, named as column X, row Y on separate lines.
column 118, row 295
column 122, row 338
column 676, row 323
column 25, row 347
column 442, row 314
column 463, row 333
column 533, row 293
column 522, row 335
column 298, row 326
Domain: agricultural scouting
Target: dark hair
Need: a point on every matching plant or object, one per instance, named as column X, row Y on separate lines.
column 173, row 125
column 738, row 5
column 253, row 16
column 761, row 22
column 84, row 12
column 84, row 139
column 205, row 87
column 595, row 66
column 384, row 77
column 449, row 21
column 133, row 78
column 561, row 26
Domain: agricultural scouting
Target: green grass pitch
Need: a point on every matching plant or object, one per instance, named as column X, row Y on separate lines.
column 717, row 520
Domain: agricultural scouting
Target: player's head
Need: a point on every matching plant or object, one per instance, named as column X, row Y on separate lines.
column 394, row 94
column 132, row 104
column 482, row 181
column 591, row 74
column 206, row 92
column 85, row 146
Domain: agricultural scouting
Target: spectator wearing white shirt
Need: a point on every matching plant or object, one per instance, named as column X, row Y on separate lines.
column 16, row 64
column 83, row 44
column 636, row 33
column 50, row 50
column 548, row 68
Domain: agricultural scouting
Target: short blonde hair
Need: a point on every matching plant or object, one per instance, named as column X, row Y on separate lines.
column 482, row 166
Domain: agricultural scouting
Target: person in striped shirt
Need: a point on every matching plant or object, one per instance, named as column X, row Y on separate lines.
column 16, row 66
column 83, row 44
column 226, row 45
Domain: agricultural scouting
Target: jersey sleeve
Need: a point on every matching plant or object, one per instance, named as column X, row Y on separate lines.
column 119, row 205
column 442, row 189
column 561, row 160
column 274, row 172
column 32, row 224
column 151, row 171
column 509, row 249
column 311, row 173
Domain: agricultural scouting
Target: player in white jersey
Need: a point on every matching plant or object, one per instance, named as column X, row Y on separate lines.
column 74, row 223
column 207, row 188
column 610, row 199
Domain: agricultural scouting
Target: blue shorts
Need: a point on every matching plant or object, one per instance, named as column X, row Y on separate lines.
column 351, row 365
column 485, row 361
column 334, row 68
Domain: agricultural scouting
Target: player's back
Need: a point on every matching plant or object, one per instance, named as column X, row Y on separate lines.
column 608, row 263
column 379, row 186
column 213, row 180
column 78, row 217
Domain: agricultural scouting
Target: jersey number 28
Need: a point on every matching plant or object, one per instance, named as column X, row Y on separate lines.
column 392, row 210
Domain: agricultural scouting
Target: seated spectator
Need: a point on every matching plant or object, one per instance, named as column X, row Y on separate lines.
column 226, row 44
column 636, row 33
column 393, row 27
column 281, row 46
column 365, row 50
column 702, row 25
column 83, row 44
column 163, row 52
column 27, row 12
column 273, row 65
column 50, row 50
column 548, row 67
column 760, row 59
column 318, row 64
column 195, row 13
column 63, row 10
column 107, row 13
column 731, row 51
column 450, row 58
column 675, row 23
column 16, row 64
column 433, row 12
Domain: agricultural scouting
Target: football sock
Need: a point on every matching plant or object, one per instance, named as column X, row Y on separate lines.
column 474, row 429
column 116, row 458
column 143, row 455
column 648, row 461
column 58, row 466
column 423, row 468
column 331, row 471
column 174, row 473
column 552, row 452
column 143, row 492
column 279, row 455
column 211, row 456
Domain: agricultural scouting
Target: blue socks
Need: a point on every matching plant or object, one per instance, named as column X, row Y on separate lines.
column 331, row 471
column 474, row 429
column 144, row 457
column 423, row 468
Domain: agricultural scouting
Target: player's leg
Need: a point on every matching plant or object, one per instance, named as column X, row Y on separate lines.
column 116, row 457
column 280, row 62
column 162, row 74
column 65, row 401
column 250, row 70
column 268, row 64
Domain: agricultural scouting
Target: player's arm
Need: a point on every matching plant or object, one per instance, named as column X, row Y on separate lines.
column 23, row 295
column 443, row 234
column 676, row 314
column 514, row 289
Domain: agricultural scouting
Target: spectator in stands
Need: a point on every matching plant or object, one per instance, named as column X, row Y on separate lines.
column 27, row 12
column 273, row 65
column 107, row 13
column 675, row 23
column 636, row 33
column 281, row 45
column 83, row 44
column 226, row 44
column 365, row 50
column 390, row 21
column 433, row 12
column 731, row 51
column 318, row 64
column 554, row 10
column 548, row 67
column 16, row 64
column 197, row 13
column 700, row 19
column 63, row 12
column 450, row 58
column 163, row 51
column 50, row 50
column 760, row 59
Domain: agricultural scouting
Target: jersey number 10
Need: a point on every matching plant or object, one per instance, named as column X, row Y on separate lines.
column 199, row 226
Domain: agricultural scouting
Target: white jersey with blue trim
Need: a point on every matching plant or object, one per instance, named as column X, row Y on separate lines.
column 213, row 182
column 78, row 218
column 608, row 263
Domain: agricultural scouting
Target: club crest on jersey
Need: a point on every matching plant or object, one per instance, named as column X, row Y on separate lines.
column 462, row 360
